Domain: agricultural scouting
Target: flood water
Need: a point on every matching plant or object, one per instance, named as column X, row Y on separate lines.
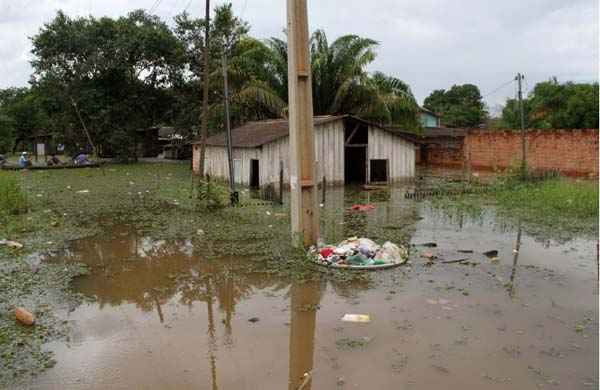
column 166, row 318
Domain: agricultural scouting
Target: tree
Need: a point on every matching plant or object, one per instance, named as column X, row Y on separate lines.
column 250, row 95
column 21, row 115
column 129, row 73
column 460, row 106
column 511, row 114
column 563, row 106
column 552, row 105
column 341, row 83
column 116, row 71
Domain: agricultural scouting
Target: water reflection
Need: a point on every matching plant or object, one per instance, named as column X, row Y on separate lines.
column 391, row 211
column 513, row 272
column 305, row 298
column 195, row 311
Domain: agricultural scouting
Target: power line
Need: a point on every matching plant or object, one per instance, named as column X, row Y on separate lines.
column 154, row 6
column 498, row 88
column 187, row 6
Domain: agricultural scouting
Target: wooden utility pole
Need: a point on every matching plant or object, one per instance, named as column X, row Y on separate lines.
column 519, row 79
column 304, row 213
column 205, row 73
column 233, row 194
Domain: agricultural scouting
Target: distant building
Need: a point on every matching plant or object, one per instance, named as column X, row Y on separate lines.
column 348, row 149
column 38, row 143
column 162, row 140
column 428, row 118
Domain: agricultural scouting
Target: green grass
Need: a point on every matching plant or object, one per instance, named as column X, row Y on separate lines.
column 558, row 208
column 12, row 198
column 554, row 200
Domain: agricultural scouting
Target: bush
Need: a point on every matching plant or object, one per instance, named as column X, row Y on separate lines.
column 12, row 198
column 212, row 195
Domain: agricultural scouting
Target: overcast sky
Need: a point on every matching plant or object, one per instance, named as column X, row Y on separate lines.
column 431, row 44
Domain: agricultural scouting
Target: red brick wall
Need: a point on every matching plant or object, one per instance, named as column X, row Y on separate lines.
column 572, row 152
column 445, row 155
column 440, row 151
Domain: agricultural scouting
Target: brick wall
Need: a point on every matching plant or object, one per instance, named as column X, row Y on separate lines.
column 572, row 152
column 446, row 155
column 441, row 151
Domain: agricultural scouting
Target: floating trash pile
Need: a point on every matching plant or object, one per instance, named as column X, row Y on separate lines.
column 360, row 253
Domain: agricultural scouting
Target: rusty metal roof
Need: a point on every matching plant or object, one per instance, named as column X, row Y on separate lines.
column 258, row 133
column 434, row 132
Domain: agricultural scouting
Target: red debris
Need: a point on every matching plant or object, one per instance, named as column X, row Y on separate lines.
column 362, row 207
column 326, row 252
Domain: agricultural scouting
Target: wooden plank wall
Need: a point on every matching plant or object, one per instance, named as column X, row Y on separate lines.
column 217, row 165
column 399, row 153
column 329, row 144
column 329, row 148
column 329, row 153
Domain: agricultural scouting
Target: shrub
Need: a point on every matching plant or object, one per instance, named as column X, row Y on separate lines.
column 211, row 194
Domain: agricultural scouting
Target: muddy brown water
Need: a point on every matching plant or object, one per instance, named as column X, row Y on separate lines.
column 165, row 318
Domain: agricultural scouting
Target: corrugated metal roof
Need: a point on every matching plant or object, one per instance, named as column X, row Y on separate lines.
column 255, row 134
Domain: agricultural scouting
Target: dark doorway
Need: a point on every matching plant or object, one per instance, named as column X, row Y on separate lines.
column 356, row 140
column 424, row 154
column 355, row 164
column 379, row 171
column 254, row 174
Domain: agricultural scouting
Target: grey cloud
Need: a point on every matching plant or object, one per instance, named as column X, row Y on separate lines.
column 431, row 44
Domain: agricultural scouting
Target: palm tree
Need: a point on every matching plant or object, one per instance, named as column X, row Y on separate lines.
column 341, row 83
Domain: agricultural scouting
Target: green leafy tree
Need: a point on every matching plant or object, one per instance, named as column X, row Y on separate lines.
column 511, row 114
column 552, row 105
column 460, row 106
column 564, row 106
column 250, row 94
column 21, row 115
column 116, row 72
column 341, row 83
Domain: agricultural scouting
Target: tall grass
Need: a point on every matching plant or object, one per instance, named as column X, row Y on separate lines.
column 557, row 196
column 561, row 203
column 12, row 199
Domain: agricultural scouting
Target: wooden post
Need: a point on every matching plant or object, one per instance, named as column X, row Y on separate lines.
column 324, row 185
column 280, row 182
column 304, row 213
column 520, row 78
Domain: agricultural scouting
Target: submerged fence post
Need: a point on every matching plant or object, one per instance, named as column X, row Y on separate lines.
column 324, row 184
column 280, row 182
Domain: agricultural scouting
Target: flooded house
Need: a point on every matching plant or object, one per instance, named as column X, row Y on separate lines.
column 348, row 150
